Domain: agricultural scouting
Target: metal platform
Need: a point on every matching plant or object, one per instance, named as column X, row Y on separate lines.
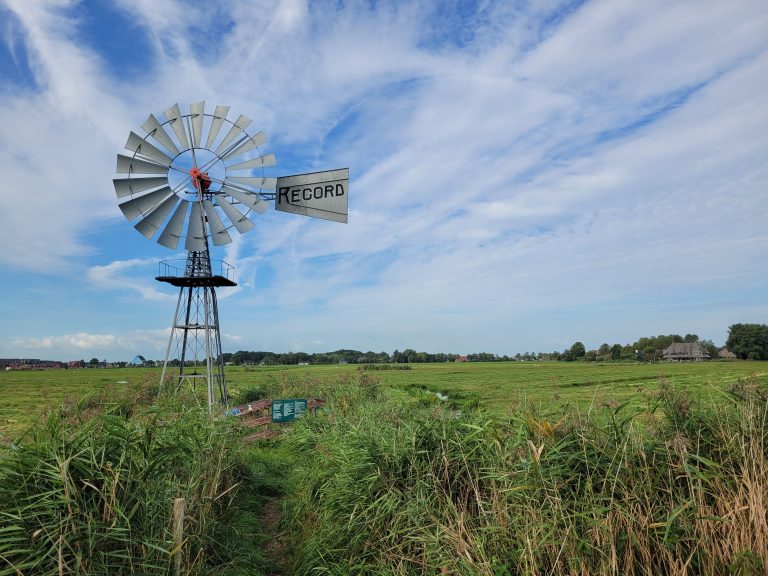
column 179, row 273
column 193, row 281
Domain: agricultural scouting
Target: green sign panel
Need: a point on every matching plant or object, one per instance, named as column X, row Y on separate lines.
column 288, row 410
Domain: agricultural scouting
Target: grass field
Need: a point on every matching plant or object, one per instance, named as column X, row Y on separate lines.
column 28, row 393
column 552, row 385
column 548, row 387
column 386, row 479
column 499, row 387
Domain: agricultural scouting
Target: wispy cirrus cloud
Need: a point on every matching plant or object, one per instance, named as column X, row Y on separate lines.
column 559, row 159
column 115, row 276
column 114, row 345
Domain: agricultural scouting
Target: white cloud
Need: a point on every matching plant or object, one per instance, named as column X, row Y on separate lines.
column 113, row 276
column 112, row 346
column 152, row 343
column 511, row 163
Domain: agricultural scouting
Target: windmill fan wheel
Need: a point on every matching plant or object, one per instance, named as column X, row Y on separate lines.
column 194, row 181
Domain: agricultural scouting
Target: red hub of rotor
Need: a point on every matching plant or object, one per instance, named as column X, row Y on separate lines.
column 200, row 180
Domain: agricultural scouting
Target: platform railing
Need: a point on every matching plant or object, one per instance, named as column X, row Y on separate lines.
column 178, row 269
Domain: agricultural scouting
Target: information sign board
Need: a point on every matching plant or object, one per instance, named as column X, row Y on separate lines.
column 288, row 410
column 317, row 194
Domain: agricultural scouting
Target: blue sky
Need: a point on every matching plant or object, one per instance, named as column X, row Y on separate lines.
column 523, row 174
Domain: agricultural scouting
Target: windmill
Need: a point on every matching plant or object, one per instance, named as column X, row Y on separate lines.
column 199, row 177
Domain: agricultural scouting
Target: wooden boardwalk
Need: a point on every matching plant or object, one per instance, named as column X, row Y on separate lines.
column 258, row 415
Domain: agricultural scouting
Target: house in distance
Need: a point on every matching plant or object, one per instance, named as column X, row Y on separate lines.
column 138, row 360
column 685, row 352
column 725, row 354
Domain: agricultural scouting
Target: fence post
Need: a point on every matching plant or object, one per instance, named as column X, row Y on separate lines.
column 179, row 507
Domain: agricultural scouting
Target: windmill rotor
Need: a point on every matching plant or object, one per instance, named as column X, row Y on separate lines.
column 194, row 176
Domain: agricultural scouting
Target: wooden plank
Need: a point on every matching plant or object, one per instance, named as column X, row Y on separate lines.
column 179, row 509
column 255, row 407
column 255, row 418
column 259, row 421
column 265, row 404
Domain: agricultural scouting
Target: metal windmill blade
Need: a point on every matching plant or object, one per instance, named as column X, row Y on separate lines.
column 196, row 176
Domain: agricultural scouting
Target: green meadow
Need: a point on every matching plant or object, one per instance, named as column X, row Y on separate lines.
column 31, row 393
column 502, row 387
column 498, row 387
column 524, row 469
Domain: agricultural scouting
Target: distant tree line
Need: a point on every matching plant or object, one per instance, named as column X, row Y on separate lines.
column 747, row 341
column 409, row 355
column 244, row 357
column 645, row 349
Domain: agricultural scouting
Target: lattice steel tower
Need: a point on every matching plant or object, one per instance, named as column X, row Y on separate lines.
column 197, row 183
column 195, row 340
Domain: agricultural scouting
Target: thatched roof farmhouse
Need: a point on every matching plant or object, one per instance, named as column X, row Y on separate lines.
column 685, row 351
column 725, row 354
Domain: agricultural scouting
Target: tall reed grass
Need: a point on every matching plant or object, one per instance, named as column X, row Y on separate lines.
column 381, row 484
column 391, row 487
column 90, row 489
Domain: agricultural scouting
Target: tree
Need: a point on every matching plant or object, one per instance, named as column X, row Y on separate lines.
column 710, row 348
column 616, row 352
column 94, row 362
column 748, row 341
column 410, row 355
column 652, row 347
column 577, row 351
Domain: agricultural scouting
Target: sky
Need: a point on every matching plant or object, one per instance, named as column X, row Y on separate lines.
column 523, row 175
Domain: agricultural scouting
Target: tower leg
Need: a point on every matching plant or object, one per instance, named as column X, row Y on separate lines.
column 221, row 381
column 195, row 342
column 170, row 342
column 195, row 339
